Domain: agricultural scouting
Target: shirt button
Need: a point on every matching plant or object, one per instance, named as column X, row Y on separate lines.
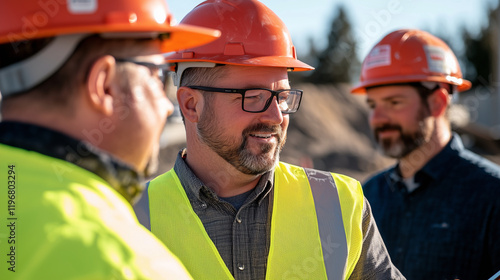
column 241, row 267
column 203, row 205
column 238, row 219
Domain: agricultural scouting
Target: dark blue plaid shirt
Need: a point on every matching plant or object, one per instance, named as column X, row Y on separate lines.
column 449, row 226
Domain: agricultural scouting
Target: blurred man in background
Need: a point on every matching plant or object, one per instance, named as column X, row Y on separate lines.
column 229, row 209
column 437, row 209
column 82, row 112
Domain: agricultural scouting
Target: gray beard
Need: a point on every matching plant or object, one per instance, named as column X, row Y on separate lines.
column 407, row 142
column 210, row 133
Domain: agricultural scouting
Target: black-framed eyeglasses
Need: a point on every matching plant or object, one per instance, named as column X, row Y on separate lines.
column 158, row 70
column 257, row 100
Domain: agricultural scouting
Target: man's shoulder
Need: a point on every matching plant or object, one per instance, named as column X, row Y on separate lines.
column 345, row 178
column 481, row 162
column 341, row 181
column 75, row 220
column 163, row 175
column 336, row 176
column 473, row 166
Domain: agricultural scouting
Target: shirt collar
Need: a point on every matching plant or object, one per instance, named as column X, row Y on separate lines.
column 435, row 167
column 195, row 186
column 439, row 165
column 58, row 145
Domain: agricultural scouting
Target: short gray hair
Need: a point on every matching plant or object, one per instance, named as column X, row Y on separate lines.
column 202, row 76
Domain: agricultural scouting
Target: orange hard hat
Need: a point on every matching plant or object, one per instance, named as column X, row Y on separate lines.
column 69, row 21
column 408, row 55
column 32, row 19
column 252, row 35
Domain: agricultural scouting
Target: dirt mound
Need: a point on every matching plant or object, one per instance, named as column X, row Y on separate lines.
column 329, row 132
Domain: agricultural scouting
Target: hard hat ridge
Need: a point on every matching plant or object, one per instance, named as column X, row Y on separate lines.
column 251, row 35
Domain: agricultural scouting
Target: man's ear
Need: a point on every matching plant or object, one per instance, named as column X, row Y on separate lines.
column 99, row 84
column 190, row 103
column 438, row 102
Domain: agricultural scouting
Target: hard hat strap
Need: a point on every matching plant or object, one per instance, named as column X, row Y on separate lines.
column 451, row 88
column 182, row 66
column 26, row 74
column 429, row 85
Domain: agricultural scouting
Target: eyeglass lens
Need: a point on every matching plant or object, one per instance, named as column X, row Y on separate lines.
column 159, row 70
column 259, row 99
column 162, row 75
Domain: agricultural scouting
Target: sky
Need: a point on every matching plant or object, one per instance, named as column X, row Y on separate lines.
column 371, row 19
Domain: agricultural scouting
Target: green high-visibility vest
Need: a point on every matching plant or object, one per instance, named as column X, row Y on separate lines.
column 60, row 221
column 316, row 226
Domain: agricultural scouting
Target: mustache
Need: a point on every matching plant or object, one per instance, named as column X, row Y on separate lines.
column 387, row 127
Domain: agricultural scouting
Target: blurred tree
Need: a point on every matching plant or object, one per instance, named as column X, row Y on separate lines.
column 338, row 62
column 480, row 52
column 309, row 58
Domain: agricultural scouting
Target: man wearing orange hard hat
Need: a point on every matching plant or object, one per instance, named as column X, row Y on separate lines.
column 229, row 209
column 437, row 208
column 82, row 111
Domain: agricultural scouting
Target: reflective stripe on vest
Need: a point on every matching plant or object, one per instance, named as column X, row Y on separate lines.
column 327, row 205
column 323, row 230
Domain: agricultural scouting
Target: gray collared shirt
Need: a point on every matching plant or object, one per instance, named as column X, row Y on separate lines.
column 242, row 236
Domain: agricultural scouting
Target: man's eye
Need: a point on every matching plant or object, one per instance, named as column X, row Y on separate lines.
column 252, row 96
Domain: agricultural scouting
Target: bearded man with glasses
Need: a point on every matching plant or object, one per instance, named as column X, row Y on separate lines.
column 229, row 209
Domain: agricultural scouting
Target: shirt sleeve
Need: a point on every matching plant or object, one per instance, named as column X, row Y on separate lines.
column 374, row 262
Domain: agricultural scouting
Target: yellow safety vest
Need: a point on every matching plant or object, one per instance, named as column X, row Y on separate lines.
column 316, row 226
column 60, row 221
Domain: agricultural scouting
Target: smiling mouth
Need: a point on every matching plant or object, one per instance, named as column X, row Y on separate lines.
column 262, row 135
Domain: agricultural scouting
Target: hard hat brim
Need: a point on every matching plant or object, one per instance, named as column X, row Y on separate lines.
column 185, row 36
column 180, row 37
column 247, row 60
column 462, row 84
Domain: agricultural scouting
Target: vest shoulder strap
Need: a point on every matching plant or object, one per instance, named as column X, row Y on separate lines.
column 338, row 207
